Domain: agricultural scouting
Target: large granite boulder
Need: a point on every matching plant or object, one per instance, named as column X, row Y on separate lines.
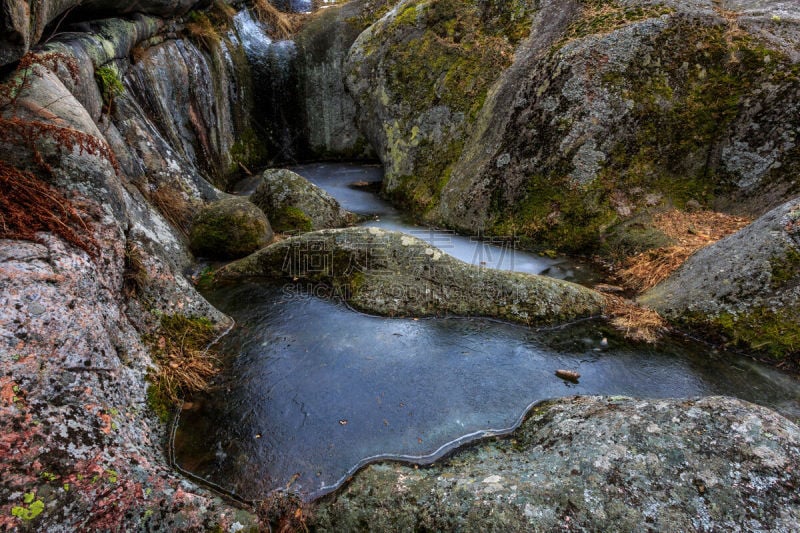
column 391, row 273
column 595, row 464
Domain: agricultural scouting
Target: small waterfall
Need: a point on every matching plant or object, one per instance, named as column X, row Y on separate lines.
column 278, row 102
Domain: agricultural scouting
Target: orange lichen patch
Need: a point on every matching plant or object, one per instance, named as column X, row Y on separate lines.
column 106, row 419
column 634, row 322
column 691, row 231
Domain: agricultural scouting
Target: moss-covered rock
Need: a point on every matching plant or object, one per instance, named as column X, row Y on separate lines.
column 420, row 75
column 390, row 273
column 555, row 121
column 612, row 104
column 744, row 289
column 294, row 204
column 229, row 229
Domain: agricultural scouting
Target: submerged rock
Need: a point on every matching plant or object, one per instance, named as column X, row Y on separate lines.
column 229, row 229
column 595, row 464
column 293, row 203
column 392, row 273
column 745, row 288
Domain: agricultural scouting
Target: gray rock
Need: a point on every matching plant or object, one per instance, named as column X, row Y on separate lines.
column 292, row 203
column 23, row 27
column 595, row 464
column 745, row 287
column 391, row 273
column 329, row 110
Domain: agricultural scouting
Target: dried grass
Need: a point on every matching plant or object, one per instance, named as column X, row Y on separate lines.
column 135, row 276
column 28, row 206
column 174, row 206
column 691, row 231
column 181, row 349
column 281, row 25
column 634, row 322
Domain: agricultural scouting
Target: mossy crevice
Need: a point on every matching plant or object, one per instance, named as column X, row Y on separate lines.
column 181, row 348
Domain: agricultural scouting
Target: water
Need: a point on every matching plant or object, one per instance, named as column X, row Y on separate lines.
column 491, row 252
column 314, row 389
column 277, row 99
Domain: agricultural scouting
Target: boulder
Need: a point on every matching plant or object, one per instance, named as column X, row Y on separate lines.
column 594, row 464
column 744, row 288
column 229, row 229
column 293, row 203
column 556, row 121
column 390, row 273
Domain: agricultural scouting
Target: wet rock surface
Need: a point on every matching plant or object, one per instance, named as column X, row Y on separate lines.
column 294, row 204
column 595, row 463
column 391, row 273
column 81, row 446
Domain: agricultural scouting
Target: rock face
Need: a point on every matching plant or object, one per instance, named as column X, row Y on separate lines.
column 82, row 448
column 23, row 25
column 391, row 273
column 595, row 464
column 293, row 203
column 745, row 288
column 570, row 117
column 329, row 110
column 419, row 77
column 229, row 229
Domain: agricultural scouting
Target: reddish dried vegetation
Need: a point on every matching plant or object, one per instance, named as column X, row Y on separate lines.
column 27, row 204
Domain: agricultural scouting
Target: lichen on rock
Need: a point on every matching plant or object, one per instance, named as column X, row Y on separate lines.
column 594, row 463
column 294, row 204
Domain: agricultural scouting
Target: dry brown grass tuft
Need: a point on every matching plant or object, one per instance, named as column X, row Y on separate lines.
column 281, row 25
column 135, row 276
column 285, row 511
column 174, row 206
column 185, row 362
column 28, row 205
column 691, row 231
column 634, row 322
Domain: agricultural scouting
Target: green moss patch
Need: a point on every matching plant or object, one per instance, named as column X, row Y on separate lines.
column 785, row 268
column 761, row 330
column 109, row 82
column 291, row 219
column 555, row 214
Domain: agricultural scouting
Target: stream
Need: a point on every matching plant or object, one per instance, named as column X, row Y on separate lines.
column 314, row 390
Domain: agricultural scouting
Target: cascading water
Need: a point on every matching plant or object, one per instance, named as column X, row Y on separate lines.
column 278, row 105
